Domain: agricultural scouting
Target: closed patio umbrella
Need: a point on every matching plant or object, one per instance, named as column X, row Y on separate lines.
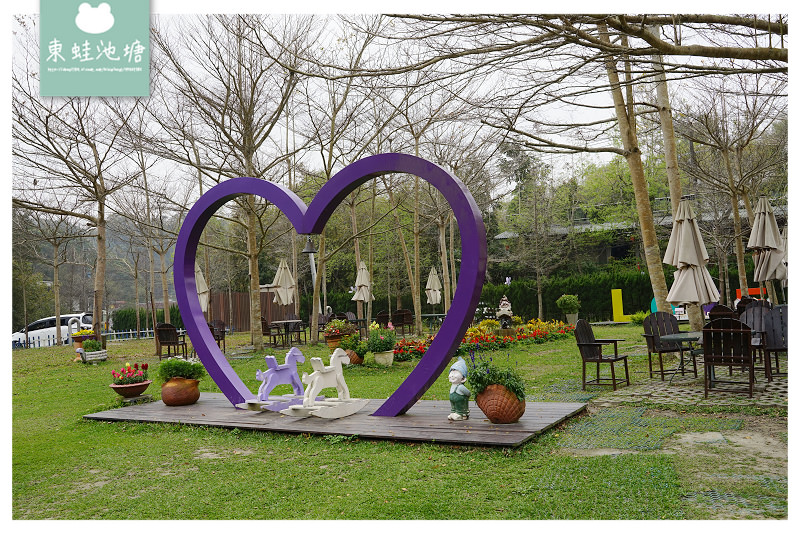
column 769, row 248
column 203, row 291
column 433, row 288
column 363, row 292
column 687, row 252
column 283, row 285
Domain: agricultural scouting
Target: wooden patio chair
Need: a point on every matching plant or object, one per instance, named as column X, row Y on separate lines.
column 753, row 316
column 218, row 331
column 297, row 330
column 761, row 303
column 382, row 318
column 402, row 319
column 721, row 311
column 322, row 321
column 168, row 336
column 727, row 342
column 743, row 303
column 274, row 332
column 658, row 324
column 776, row 338
column 591, row 350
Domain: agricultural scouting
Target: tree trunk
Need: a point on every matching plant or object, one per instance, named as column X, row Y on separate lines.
column 356, row 250
column 406, row 256
column 440, row 224
column 539, row 295
column 255, row 287
column 633, row 156
column 453, row 275
column 737, row 225
column 164, row 287
column 668, row 133
column 415, row 286
column 57, row 295
column 100, row 270
column 136, row 292
column 315, row 310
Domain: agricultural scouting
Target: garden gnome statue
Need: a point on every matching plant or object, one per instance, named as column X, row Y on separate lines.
column 459, row 394
column 504, row 313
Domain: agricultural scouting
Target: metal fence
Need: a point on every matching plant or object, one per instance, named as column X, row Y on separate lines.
column 50, row 340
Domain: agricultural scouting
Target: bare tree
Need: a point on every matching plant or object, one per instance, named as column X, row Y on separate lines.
column 66, row 148
column 724, row 122
column 233, row 96
column 57, row 231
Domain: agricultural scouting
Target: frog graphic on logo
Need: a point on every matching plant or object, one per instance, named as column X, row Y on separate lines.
column 94, row 19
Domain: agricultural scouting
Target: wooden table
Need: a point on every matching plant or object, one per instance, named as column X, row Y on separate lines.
column 685, row 337
column 433, row 319
column 286, row 332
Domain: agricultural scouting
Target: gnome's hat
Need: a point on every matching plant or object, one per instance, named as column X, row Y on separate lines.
column 461, row 366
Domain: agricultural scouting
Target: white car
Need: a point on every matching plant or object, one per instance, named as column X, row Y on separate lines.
column 43, row 331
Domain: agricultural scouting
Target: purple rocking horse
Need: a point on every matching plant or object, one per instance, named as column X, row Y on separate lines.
column 285, row 374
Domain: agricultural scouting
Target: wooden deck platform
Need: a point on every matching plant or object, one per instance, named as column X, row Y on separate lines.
column 426, row 421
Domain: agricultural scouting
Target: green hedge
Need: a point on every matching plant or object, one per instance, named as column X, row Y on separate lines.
column 125, row 319
column 593, row 290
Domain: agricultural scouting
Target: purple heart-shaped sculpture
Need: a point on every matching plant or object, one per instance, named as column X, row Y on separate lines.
column 311, row 220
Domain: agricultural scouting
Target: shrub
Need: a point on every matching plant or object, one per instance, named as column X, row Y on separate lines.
column 406, row 349
column 92, row 345
column 489, row 324
column 638, row 317
column 381, row 340
column 176, row 367
column 354, row 342
column 568, row 303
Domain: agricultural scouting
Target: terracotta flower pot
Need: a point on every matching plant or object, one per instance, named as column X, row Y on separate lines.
column 132, row 389
column 500, row 405
column 180, row 391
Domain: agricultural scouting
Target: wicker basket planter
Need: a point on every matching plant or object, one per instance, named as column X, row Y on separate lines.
column 500, row 405
column 355, row 359
column 333, row 341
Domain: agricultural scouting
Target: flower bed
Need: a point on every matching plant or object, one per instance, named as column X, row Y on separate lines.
column 479, row 337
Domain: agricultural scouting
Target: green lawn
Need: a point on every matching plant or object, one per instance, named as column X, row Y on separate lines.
column 68, row 468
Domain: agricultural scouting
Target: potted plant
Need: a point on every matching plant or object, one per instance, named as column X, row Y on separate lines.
column 92, row 350
column 569, row 305
column 181, row 380
column 499, row 392
column 335, row 330
column 81, row 335
column 355, row 348
column 381, row 344
column 130, row 381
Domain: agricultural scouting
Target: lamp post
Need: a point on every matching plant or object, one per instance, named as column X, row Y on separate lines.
column 310, row 251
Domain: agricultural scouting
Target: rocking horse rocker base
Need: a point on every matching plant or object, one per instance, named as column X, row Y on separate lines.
column 332, row 408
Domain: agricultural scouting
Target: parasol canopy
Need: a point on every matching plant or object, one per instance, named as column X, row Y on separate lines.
column 433, row 288
column 687, row 252
column 283, row 285
column 363, row 292
column 769, row 247
column 203, row 291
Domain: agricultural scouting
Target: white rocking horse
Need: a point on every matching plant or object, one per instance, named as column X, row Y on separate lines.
column 324, row 377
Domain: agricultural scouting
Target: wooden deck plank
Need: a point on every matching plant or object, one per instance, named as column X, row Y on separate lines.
column 426, row 421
